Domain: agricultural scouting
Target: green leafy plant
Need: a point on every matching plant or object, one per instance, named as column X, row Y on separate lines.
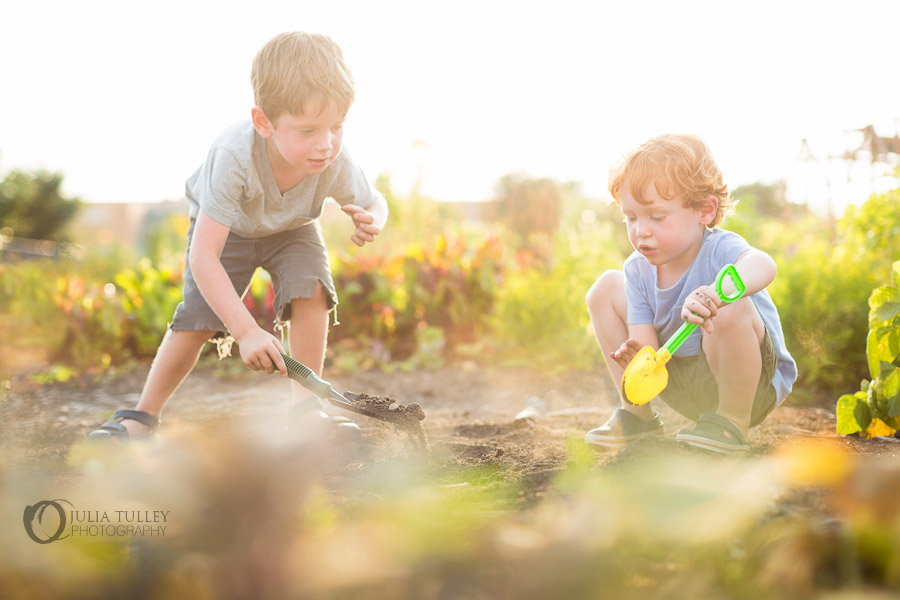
column 32, row 205
column 540, row 316
column 825, row 276
column 149, row 296
column 875, row 409
column 821, row 293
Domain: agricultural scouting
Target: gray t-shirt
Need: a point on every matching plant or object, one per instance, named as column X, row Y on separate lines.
column 647, row 303
column 235, row 186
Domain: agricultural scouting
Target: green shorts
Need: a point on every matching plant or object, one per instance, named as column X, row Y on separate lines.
column 692, row 389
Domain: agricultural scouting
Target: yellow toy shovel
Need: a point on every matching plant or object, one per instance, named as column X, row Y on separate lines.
column 646, row 375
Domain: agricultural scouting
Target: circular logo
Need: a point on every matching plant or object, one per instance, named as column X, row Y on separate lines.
column 34, row 518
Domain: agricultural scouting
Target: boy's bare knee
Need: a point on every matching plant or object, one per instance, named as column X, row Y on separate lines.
column 741, row 314
column 608, row 288
column 735, row 313
column 319, row 300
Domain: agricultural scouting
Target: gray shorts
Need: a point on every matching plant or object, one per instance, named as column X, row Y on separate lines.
column 296, row 260
column 692, row 389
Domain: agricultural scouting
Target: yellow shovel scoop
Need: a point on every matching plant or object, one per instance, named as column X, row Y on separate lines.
column 646, row 375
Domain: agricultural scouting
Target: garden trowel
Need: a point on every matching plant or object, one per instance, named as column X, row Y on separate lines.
column 646, row 375
column 392, row 413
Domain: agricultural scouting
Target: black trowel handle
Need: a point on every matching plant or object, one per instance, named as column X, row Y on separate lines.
column 306, row 377
column 321, row 388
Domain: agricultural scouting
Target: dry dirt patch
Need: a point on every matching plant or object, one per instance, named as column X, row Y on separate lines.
column 470, row 416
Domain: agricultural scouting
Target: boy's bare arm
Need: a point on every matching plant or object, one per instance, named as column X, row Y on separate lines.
column 755, row 268
column 259, row 349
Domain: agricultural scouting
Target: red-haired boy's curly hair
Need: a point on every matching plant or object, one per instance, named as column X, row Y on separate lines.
column 680, row 166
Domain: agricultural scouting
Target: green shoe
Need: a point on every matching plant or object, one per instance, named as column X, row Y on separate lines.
column 715, row 433
column 623, row 427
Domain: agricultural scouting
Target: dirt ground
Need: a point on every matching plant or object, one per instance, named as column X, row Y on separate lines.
column 470, row 416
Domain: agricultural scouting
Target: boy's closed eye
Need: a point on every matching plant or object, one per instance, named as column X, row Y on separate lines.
column 310, row 131
column 653, row 217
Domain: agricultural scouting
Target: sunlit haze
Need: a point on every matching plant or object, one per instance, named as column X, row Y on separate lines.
column 125, row 101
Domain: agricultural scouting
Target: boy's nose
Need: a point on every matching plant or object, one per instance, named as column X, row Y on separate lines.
column 325, row 142
column 643, row 230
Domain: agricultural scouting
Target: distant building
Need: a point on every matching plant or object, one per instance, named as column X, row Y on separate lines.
column 828, row 182
column 877, row 148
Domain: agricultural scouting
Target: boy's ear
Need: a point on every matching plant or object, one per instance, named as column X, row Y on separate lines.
column 709, row 209
column 261, row 122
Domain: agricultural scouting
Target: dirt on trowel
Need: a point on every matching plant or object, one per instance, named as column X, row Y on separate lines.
column 406, row 417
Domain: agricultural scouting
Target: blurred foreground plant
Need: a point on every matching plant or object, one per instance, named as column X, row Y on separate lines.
column 282, row 515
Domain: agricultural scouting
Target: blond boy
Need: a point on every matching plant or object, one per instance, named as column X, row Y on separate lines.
column 735, row 369
column 254, row 203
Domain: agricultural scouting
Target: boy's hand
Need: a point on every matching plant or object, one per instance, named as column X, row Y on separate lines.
column 366, row 229
column 701, row 306
column 261, row 351
column 626, row 352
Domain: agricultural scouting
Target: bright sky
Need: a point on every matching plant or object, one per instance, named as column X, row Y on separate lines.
column 124, row 99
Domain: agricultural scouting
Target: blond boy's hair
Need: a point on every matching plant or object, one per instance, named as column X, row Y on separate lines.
column 298, row 72
column 681, row 166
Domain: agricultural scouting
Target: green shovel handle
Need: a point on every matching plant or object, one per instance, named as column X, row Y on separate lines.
column 686, row 328
column 730, row 271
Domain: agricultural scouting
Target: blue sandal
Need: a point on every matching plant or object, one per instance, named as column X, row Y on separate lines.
column 715, row 433
column 115, row 429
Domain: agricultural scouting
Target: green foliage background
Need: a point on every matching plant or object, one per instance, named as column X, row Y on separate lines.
column 32, row 206
column 437, row 286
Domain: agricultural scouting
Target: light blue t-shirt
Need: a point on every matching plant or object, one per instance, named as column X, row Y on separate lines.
column 647, row 303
